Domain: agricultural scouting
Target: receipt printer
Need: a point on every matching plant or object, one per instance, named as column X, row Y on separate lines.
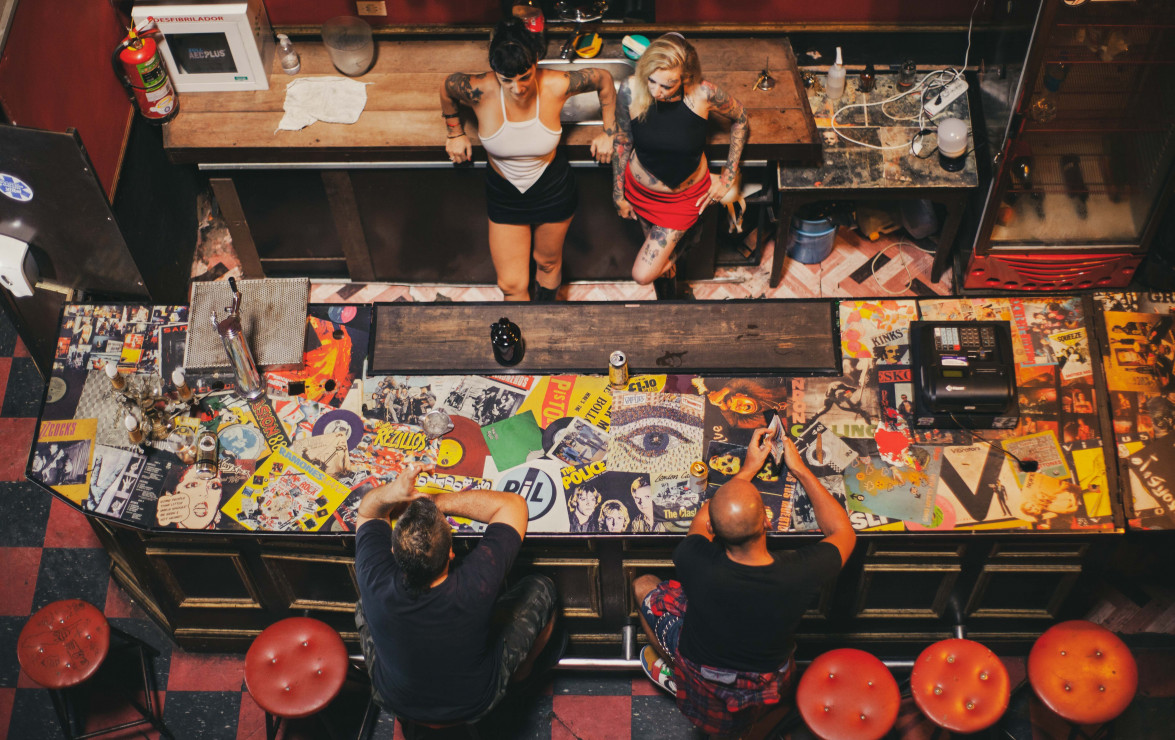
column 964, row 374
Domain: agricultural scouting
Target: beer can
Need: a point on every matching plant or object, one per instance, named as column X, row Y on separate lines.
column 618, row 370
column 699, row 477
column 206, row 454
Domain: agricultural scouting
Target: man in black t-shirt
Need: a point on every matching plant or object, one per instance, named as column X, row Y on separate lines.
column 720, row 635
column 443, row 639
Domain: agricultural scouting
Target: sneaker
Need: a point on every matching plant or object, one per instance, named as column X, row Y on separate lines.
column 658, row 670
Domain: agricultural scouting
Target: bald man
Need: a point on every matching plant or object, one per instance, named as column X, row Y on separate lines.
column 720, row 636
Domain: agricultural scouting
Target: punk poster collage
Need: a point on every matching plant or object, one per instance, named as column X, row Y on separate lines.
column 587, row 458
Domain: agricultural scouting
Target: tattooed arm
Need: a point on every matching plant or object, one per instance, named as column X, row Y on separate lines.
column 727, row 106
column 600, row 80
column 622, row 150
column 459, row 89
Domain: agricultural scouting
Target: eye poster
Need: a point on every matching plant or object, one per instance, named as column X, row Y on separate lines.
column 655, row 433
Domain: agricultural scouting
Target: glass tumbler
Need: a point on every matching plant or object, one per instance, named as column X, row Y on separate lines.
column 349, row 43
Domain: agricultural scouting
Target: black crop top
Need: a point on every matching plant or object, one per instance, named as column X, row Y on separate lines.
column 669, row 141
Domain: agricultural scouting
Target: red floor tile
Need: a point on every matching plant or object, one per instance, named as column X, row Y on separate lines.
column 642, row 686
column 205, row 672
column 19, row 566
column 251, row 721
column 110, row 708
column 119, row 604
column 1155, row 675
column 591, row 717
column 7, row 696
column 20, row 350
column 17, row 434
column 5, row 367
column 68, row 527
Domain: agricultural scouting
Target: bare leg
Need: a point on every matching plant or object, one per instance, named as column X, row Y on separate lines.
column 640, row 589
column 540, row 642
column 653, row 259
column 548, row 253
column 510, row 251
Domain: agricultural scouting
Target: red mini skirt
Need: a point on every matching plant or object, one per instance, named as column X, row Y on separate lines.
column 677, row 211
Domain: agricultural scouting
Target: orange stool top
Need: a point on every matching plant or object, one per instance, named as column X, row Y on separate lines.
column 296, row 667
column 848, row 694
column 960, row 685
column 1082, row 672
column 63, row 644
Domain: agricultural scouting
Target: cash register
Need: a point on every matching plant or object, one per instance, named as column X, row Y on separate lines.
column 964, row 375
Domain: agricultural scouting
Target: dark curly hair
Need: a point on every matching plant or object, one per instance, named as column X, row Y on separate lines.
column 421, row 543
column 513, row 49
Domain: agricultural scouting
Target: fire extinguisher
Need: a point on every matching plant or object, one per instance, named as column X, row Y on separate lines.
column 139, row 68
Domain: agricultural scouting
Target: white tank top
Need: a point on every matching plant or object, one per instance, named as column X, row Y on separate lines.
column 520, row 149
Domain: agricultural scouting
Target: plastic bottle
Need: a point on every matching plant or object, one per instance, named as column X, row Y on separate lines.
column 288, row 55
column 834, row 86
column 531, row 14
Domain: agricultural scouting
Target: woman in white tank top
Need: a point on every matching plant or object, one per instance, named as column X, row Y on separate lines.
column 530, row 190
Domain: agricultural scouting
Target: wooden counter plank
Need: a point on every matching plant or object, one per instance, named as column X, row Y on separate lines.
column 720, row 337
column 402, row 112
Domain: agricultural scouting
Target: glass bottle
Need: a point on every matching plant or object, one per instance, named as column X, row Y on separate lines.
column 288, row 55
column 868, row 78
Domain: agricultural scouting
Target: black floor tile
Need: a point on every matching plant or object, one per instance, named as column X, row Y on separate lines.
column 207, row 715
column 657, row 718
column 22, row 399
column 596, row 684
column 866, row 270
column 150, row 633
column 10, row 628
column 26, row 512
column 72, row 573
column 7, row 335
column 33, row 715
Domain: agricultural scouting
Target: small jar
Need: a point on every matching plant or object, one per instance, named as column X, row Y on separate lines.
column 908, row 74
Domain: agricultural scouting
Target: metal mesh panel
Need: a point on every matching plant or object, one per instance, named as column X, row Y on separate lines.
column 273, row 316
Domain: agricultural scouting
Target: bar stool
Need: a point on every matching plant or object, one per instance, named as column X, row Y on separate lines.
column 848, row 694
column 64, row 644
column 294, row 669
column 1084, row 673
column 960, row 685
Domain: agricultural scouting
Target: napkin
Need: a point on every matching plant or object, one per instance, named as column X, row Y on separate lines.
column 329, row 99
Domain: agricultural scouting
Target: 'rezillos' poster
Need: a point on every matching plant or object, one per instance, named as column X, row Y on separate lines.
column 655, row 433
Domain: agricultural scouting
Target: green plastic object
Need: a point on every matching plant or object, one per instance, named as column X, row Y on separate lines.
column 634, row 45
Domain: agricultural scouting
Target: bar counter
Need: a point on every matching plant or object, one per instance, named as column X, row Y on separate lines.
column 952, row 534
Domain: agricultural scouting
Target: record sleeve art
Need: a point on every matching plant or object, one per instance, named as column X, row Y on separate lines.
column 63, row 393
column 341, row 420
column 538, row 482
column 463, row 451
column 553, row 433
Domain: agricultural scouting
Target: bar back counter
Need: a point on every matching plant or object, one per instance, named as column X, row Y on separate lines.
column 952, row 533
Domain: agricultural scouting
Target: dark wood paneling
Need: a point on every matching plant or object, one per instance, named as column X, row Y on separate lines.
column 799, row 11
column 715, row 337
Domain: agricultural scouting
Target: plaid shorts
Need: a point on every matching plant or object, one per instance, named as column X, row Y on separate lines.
column 520, row 614
column 717, row 700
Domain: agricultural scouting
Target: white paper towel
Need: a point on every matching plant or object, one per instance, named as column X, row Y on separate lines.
column 329, row 99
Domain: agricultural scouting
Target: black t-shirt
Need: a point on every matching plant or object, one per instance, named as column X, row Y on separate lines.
column 434, row 660
column 741, row 617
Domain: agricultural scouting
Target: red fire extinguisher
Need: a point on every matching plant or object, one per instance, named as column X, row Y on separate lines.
column 139, row 68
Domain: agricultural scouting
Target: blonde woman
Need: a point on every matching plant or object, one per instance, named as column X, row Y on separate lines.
column 660, row 175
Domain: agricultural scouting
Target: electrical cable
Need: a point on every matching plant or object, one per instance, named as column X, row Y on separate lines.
column 905, row 264
column 1026, row 466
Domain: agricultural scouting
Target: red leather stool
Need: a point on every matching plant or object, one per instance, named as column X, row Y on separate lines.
column 64, row 644
column 294, row 669
column 960, row 685
column 848, row 694
column 1083, row 673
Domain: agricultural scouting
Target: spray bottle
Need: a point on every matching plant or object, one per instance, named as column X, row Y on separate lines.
column 834, row 86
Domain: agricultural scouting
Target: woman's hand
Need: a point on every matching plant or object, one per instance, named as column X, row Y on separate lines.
column 602, row 148
column 459, row 149
column 624, row 208
column 718, row 191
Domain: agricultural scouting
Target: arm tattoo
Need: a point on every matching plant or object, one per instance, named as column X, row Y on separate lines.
column 728, row 107
column 581, row 81
column 622, row 142
column 460, row 87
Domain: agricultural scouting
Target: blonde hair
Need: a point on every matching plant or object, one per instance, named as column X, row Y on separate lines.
column 671, row 51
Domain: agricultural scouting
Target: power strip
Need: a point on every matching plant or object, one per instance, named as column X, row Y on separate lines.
column 945, row 97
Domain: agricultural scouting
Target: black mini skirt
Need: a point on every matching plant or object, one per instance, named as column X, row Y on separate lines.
column 551, row 199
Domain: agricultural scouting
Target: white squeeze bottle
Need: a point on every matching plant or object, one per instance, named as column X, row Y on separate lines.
column 291, row 64
column 834, row 86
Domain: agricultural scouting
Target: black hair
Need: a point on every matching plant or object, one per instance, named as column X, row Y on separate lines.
column 421, row 543
column 513, row 49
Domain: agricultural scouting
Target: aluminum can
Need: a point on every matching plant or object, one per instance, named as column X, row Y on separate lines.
column 618, row 370
column 699, row 477
column 206, row 454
